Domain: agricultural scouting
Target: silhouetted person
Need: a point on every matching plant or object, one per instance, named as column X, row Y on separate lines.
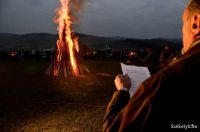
column 149, row 60
column 165, row 56
column 122, row 55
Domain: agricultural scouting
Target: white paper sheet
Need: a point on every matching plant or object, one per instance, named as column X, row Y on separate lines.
column 137, row 75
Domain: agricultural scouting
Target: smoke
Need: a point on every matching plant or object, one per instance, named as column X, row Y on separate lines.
column 77, row 7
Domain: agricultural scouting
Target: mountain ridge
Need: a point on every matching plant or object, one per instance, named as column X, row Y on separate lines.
column 47, row 40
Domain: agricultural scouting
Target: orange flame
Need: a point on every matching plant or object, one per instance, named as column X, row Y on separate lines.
column 66, row 40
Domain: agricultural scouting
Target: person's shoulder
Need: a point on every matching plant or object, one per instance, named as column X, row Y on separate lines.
column 176, row 68
column 170, row 72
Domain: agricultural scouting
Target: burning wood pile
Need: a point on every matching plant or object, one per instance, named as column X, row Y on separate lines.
column 67, row 62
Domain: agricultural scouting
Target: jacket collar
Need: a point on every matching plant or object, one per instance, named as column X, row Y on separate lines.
column 195, row 48
column 197, row 41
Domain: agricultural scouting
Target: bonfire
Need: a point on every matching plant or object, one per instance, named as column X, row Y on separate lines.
column 67, row 62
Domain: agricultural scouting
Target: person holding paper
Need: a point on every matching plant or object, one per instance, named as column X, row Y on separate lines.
column 167, row 100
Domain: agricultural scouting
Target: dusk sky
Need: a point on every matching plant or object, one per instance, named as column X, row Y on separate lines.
column 128, row 18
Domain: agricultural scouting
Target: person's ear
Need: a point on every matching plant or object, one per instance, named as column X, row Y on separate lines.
column 196, row 24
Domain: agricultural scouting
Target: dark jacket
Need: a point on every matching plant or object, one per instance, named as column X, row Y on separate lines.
column 168, row 98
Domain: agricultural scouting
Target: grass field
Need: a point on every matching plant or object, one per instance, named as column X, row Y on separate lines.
column 31, row 101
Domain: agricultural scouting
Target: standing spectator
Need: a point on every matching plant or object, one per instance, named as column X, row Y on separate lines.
column 165, row 57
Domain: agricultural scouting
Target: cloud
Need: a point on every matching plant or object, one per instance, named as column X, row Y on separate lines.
column 24, row 16
column 132, row 18
column 138, row 18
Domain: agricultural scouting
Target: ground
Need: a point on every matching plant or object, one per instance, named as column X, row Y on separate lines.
column 31, row 101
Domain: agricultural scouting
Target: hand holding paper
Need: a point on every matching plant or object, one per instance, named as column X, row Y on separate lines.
column 122, row 81
column 137, row 75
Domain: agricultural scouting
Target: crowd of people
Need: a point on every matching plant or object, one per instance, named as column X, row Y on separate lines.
column 28, row 54
column 153, row 59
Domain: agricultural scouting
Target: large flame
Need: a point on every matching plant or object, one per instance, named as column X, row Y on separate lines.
column 66, row 43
